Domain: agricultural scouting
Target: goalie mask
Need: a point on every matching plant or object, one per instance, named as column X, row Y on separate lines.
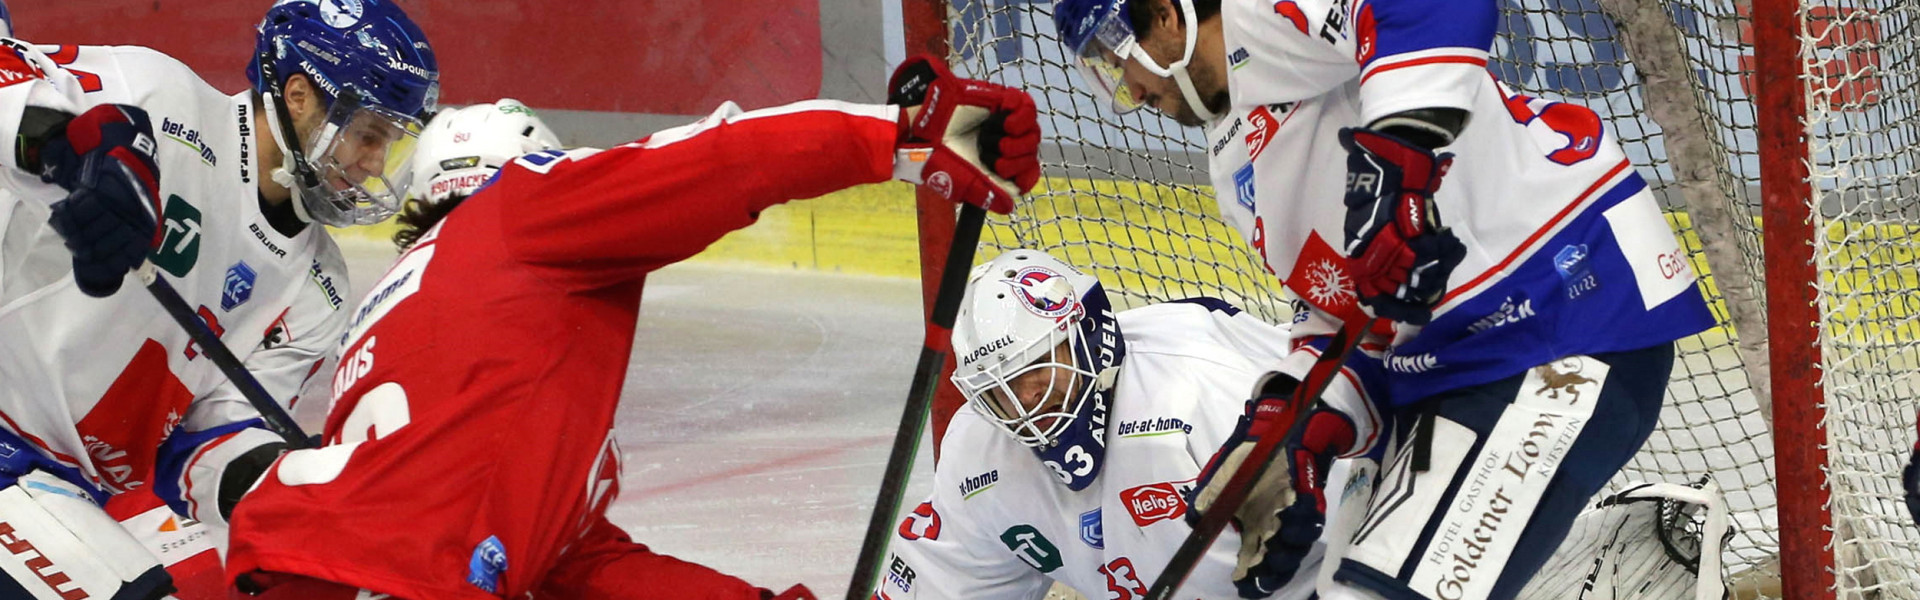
column 1038, row 350
column 463, row 148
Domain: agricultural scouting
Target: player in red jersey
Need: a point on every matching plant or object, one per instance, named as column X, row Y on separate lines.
column 469, row 451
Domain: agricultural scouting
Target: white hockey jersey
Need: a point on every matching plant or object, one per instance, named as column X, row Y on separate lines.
column 1567, row 251
column 98, row 383
column 1001, row 525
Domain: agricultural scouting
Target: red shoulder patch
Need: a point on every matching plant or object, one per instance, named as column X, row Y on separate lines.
column 15, row 69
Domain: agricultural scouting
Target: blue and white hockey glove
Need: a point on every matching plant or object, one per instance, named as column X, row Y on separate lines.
column 105, row 159
column 1398, row 251
column 1286, row 510
column 202, row 474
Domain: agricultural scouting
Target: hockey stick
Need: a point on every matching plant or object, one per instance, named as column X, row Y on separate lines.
column 210, row 344
column 1235, row 493
column 926, row 379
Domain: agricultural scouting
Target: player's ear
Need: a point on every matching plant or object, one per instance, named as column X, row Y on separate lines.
column 303, row 101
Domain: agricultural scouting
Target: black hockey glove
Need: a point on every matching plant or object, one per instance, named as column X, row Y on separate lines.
column 105, row 159
column 1286, row 510
column 1398, row 251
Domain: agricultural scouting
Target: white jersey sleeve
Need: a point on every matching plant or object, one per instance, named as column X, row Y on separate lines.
column 941, row 549
column 1407, row 54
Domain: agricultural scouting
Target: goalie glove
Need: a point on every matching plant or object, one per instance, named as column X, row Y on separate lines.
column 1399, row 253
column 969, row 141
column 1286, row 509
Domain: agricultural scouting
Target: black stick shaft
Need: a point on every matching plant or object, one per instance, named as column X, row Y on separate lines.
column 1235, row 493
column 210, row 345
column 926, row 379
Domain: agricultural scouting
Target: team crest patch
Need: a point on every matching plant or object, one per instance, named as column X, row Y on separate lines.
column 488, row 563
column 1243, row 185
column 1045, row 292
column 1091, row 531
column 238, row 287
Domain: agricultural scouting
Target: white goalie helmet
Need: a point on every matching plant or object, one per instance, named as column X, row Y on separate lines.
column 1023, row 312
column 462, row 148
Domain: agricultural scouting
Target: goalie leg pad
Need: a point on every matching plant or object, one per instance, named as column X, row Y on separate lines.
column 1511, row 465
column 56, row 544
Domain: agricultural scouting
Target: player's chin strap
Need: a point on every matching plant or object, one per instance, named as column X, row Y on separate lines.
column 294, row 173
column 1178, row 70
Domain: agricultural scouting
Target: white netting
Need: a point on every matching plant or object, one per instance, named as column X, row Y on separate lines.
column 1128, row 197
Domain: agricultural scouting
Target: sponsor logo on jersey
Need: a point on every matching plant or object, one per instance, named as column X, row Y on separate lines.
column 189, row 136
column 1264, row 125
column 1091, row 531
column 238, row 287
column 278, row 334
column 923, row 522
column 1237, row 58
column 320, row 278
column 246, row 142
column 15, row 68
column 39, row 563
column 1576, row 275
column 1290, row 10
column 489, row 560
column 1152, row 427
column 1044, row 292
column 1032, row 548
column 260, row 235
column 1509, row 312
column 180, row 247
column 1412, row 363
column 1243, row 185
column 900, row 575
column 1335, row 27
column 986, row 349
column 1221, row 144
column 1155, row 502
column 978, row 483
column 402, row 281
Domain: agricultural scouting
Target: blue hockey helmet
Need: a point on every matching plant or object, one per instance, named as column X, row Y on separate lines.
column 1038, row 351
column 377, row 73
column 6, row 21
column 1100, row 35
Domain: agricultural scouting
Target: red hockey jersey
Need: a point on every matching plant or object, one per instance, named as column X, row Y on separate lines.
column 469, row 442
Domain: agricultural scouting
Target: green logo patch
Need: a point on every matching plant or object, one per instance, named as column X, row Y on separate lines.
column 180, row 247
column 1032, row 548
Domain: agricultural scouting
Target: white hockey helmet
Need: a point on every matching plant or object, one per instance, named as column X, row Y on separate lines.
column 463, row 147
column 1018, row 309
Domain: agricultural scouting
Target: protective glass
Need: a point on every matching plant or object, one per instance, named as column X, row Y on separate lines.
column 364, row 158
column 1004, row 392
column 1102, row 57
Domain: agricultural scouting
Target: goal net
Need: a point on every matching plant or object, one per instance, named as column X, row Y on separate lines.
column 1128, row 197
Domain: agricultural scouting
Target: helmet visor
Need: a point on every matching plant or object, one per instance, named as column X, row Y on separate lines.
column 364, row 158
column 1102, row 57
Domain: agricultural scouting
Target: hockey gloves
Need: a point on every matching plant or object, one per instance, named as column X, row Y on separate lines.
column 105, row 160
column 970, row 141
column 1399, row 253
column 1286, row 509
